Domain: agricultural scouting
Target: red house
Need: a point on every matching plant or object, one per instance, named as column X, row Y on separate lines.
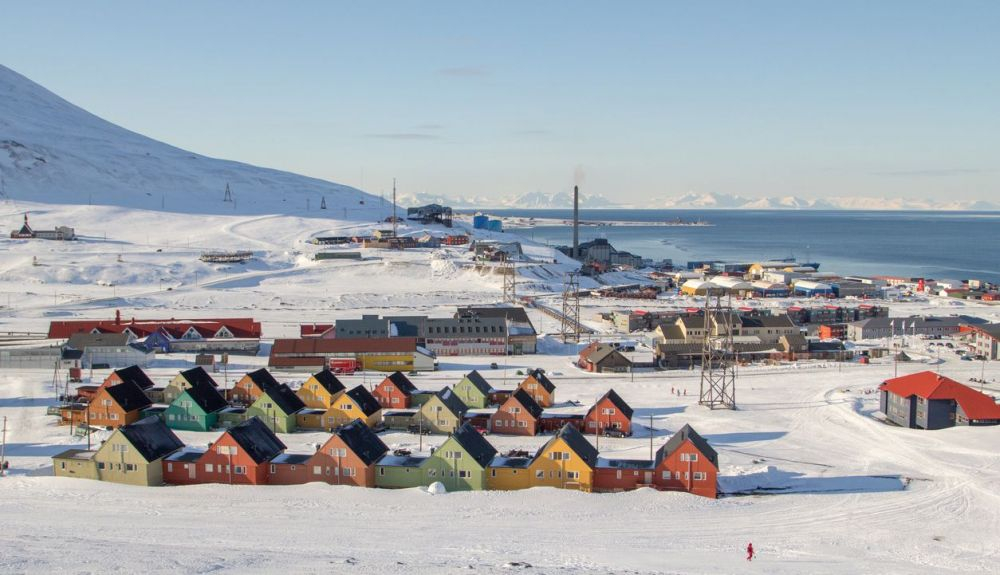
column 395, row 391
column 241, row 456
column 612, row 475
column 610, row 416
column 687, row 463
column 518, row 415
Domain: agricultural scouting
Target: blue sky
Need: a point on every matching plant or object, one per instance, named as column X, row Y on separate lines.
column 650, row 99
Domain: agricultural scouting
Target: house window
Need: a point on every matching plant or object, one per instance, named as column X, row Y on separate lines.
column 493, row 472
column 618, row 474
column 348, row 472
column 395, row 400
column 514, row 410
column 113, row 417
column 100, row 465
column 573, row 475
column 242, row 470
column 677, row 475
column 62, row 465
column 689, row 457
column 592, row 424
column 381, row 470
column 500, row 423
column 119, row 448
column 274, row 468
column 608, row 411
column 130, row 467
column 699, row 476
column 559, row 456
column 208, row 468
column 464, row 473
column 522, row 424
column 539, row 474
column 317, row 470
column 170, row 467
column 432, row 472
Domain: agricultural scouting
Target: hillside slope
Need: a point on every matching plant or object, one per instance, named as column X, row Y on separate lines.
column 52, row 151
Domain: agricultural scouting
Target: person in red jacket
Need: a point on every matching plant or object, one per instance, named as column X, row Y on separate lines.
column 749, row 551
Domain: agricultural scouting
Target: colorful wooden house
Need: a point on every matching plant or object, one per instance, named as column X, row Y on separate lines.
column 460, row 462
column 539, row 388
column 196, row 408
column 185, row 380
column 251, row 386
column 241, row 456
column 518, row 415
column 610, row 415
column 686, row 462
column 611, row 475
column 133, row 374
column 507, row 473
column 358, row 403
column 442, row 413
column 277, row 407
column 474, row 390
column 347, row 458
column 566, row 461
column 117, row 405
column 395, row 391
column 400, row 471
column 321, row 390
column 132, row 455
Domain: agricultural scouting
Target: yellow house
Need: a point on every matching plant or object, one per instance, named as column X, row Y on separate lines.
column 566, row 461
column 442, row 413
column 357, row 403
column 132, row 455
column 186, row 380
column 508, row 473
column 321, row 390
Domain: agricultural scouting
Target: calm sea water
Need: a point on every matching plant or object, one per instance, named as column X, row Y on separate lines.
column 953, row 245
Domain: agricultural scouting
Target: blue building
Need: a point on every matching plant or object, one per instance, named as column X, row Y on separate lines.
column 480, row 221
column 495, row 226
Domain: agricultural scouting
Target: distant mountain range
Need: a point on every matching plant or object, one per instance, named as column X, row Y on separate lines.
column 699, row 201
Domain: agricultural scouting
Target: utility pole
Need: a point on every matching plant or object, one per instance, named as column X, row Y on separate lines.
column 394, row 207
column 650, row 436
column 3, row 449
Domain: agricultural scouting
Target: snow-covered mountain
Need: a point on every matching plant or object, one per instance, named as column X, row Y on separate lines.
column 702, row 201
column 530, row 201
column 54, row 152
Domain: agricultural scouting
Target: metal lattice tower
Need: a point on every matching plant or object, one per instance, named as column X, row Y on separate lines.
column 229, row 194
column 570, row 320
column 718, row 366
column 509, row 271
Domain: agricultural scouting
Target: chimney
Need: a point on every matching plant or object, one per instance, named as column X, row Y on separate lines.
column 576, row 222
column 118, row 317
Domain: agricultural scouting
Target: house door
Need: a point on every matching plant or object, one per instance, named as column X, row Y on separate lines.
column 648, row 479
column 191, row 470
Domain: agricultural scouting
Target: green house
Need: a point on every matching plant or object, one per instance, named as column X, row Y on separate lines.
column 460, row 463
column 400, row 471
column 195, row 409
column 442, row 413
column 277, row 407
column 473, row 390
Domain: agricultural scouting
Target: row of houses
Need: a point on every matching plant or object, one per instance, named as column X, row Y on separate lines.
column 147, row 452
column 917, row 325
column 193, row 401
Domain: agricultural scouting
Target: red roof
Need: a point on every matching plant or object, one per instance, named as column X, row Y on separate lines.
column 314, row 329
column 240, row 327
column 930, row 385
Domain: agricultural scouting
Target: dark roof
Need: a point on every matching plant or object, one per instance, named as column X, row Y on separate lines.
column 479, row 382
column 475, row 444
column 539, row 376
column 766, row 321
column 129, row 396
column 151, row 438
column 625, row 463
column 365, row 400
column 576, row 441
column 616, row 399
column 402, row 382
column 362, row 441
column 206, row 396
column 84, row 340
column 136, row 376
column 260, row 443
column 528, row 402
column 679, row 348
column 687, row 433
column 329, row 381
column 263, row 378
column 284, row 398
column 451, row 400
column 198, row 376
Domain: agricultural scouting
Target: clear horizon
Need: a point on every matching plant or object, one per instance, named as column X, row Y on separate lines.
column 639, row 100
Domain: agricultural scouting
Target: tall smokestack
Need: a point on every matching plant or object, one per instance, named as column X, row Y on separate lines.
column 576, row 222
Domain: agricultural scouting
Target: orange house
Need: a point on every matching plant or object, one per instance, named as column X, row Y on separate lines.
column 132, row 374
column 609, row 415
column 539, row 388
column 347, row 458
column 251, row 386
column 686, row 462
column 395, row 391
column 241, row 456
column 117, row 405
column 516, row 416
